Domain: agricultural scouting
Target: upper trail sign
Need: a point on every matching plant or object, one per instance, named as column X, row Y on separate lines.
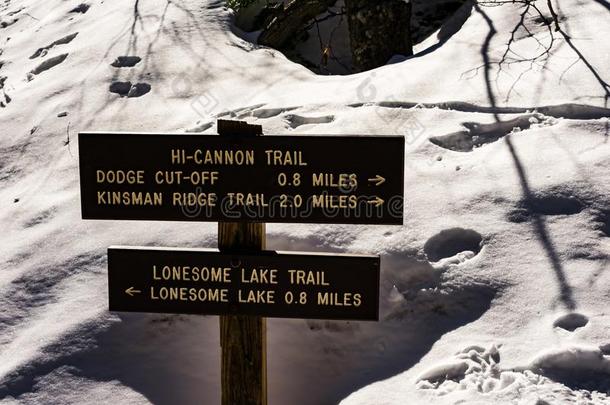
column 307, row 179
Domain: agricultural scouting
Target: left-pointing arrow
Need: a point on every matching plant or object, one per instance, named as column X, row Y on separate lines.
column 132, row 291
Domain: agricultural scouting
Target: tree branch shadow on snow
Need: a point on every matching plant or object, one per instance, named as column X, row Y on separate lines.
column 510, row 56
column 603, row 84
column 565, row 290
column 541, row 59
column 563, row 30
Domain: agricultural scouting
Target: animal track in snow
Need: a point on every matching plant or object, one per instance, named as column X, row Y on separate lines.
column 547, row 203
column 296, row 120
column 568, row 374
column 81, row 8
column 571, row 321
column 126, row 61
column 126, row 89
column 46, row 65
column 469, row 360
column 451, row 242
column 477, row 134
column 62, row 41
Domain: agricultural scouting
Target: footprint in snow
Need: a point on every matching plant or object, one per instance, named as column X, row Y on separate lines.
column 268, row 112
column 126, row 61
column 200, row 126
column 296, row 120
column 8, row 23
column 241, row 112
column 564, row 370
column 45, row 49
column 571, row 321
column 12, row 13
column 550, row 202
column 46, row 65
column 477, row 134
column 81, row 8
column 459, row 243
column 126, row 89
column 5, row 100
column 578, row 367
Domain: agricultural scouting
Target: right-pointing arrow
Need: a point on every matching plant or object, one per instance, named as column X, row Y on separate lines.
column 377, row 201
column 132, row 291
column 378, row 180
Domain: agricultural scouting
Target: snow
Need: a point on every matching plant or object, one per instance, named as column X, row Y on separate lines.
column 495, row 288
column 476, row 369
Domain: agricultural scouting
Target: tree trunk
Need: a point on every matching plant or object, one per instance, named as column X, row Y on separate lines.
column 378, row 30
column 289, row 20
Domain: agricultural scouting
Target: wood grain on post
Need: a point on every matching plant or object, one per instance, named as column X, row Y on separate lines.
column 242, row 338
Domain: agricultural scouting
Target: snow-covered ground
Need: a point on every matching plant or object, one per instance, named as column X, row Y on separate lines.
column 495, row 290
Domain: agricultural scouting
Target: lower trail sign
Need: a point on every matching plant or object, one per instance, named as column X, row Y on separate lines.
column 270, row 284
column 356, row 180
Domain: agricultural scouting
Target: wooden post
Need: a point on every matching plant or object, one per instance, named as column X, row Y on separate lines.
column 243, row 339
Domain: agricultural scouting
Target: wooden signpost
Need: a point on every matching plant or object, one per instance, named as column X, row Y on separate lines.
column 242, row 180
column 243, row 339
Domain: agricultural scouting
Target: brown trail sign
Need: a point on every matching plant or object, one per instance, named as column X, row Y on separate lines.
column 309, row 179
column 242, row 180
column 270, row 284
